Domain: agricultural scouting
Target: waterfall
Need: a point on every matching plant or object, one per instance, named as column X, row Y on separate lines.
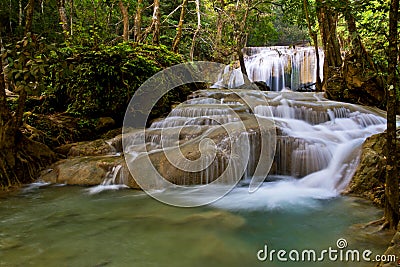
column 279, row 67
column 278, row 139
column 115, row 178
column 317, row 141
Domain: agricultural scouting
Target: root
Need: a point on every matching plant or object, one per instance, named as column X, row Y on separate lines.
column 380, row 224
column 375, row 223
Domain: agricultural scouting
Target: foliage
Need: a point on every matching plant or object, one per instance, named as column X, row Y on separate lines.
column 101, row 82
column 27, row 61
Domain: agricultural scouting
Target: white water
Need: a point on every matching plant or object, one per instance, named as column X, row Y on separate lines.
column 279, row 67
column 318, row 145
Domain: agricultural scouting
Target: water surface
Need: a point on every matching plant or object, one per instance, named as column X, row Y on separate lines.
column 67, row 226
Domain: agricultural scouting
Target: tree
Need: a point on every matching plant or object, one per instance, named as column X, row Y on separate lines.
column 63, row 17
column 196, row 32
column 327, row 20
column 157, row 23
column 392, row 176
column 29, row 16
column 178, row 35
column 20, row 157
column 125, row 19
column 313, row 35
column 137, row 27
column 154, row 26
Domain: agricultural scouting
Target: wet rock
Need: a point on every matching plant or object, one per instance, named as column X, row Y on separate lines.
column 87, row 171
column 369, row 178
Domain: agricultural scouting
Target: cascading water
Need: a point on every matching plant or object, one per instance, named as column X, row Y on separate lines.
column 279, row 67
column 317, row 149
column 317, row 140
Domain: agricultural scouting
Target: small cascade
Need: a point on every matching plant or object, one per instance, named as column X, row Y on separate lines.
column 115, row 179
column 279, row 67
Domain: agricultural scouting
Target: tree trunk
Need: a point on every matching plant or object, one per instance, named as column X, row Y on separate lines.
column 218, row 37
column 357, row 46
column 327, row 19
column 177, row 39
column 71, row 12
column 362, row 81
column 29, row 16
column 63, row 17
column 332, row 82
column 197, row 29
column 318, row 84
column 20, row 13
column 137, row 27
column 125, row 18
column 157, row 23
column 392, row 175
column 240, row 38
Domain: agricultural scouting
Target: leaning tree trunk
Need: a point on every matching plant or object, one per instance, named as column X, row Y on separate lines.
column 178, row 35
column 241, row 39
column 197, row 29
column 363, row 84
column 392, row 175
column 154, row 26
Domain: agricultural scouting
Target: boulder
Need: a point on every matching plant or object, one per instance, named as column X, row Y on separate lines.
column 369, row 178
column 89, row 171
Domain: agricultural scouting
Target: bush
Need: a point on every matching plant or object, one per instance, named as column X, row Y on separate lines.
column 97, row 83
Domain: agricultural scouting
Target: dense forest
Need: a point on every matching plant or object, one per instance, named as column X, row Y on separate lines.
column 77, row 61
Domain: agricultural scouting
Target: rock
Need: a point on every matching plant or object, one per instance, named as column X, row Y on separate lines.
column 263, row 86
column 87, row 171
column 369, row 178
column 93, row 148
column 394, row 249
column 362, row 84
column 190, row 150
column 105, row 123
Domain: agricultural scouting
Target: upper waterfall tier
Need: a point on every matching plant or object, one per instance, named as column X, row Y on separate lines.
column 279, row 67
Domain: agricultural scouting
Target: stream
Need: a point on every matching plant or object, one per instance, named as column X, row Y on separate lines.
column 44, row 225
column 315, row 151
